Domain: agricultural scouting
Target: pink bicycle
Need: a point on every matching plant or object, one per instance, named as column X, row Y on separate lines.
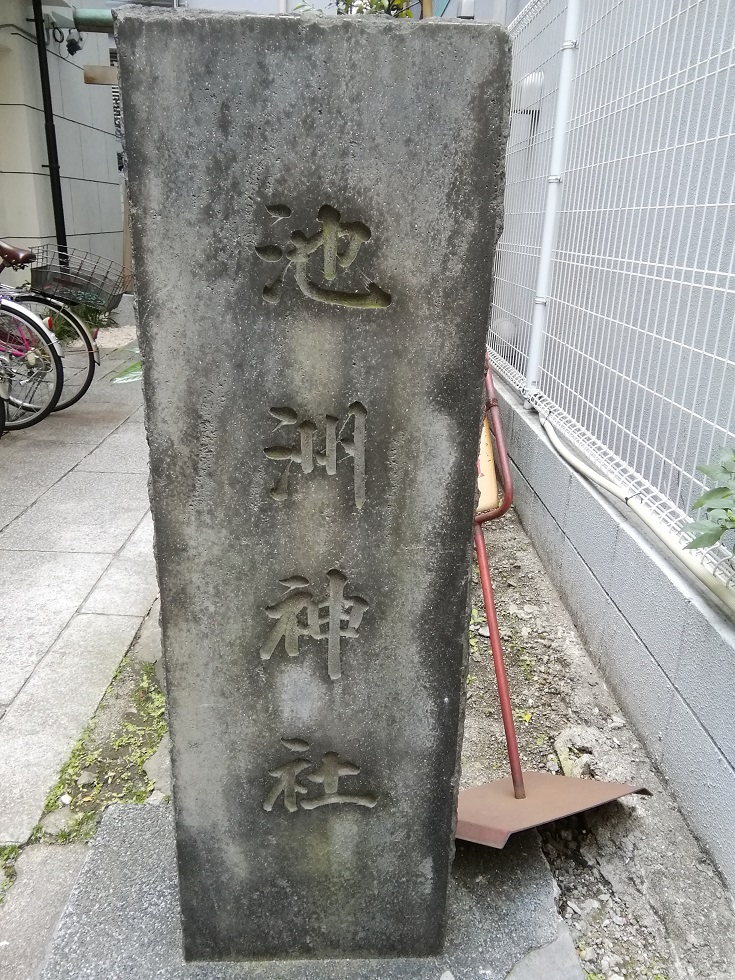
column 31, row 373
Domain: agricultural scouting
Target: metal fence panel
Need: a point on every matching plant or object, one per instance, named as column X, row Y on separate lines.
column 639, row 356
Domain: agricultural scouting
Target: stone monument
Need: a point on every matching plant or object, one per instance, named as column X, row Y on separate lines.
column 315, row 206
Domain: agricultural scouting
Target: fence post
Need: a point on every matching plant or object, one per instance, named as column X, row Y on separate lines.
column 553, row 192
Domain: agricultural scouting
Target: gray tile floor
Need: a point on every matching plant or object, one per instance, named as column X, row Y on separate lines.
column 76, row 576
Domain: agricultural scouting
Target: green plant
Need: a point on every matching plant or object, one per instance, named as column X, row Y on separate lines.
column 92, row 316
column 718, row 504
column 391, row 8
column 113, row 764
column 133, row 372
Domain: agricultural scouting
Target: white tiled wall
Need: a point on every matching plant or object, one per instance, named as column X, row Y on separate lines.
column 84, row 132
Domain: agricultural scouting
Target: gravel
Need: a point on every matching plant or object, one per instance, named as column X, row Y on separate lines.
column 641, row 898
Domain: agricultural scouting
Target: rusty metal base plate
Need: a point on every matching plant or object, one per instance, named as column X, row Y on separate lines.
column 489, row 814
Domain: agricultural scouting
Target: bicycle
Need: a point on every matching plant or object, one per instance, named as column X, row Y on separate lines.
column 77, row 344
column 31, row 372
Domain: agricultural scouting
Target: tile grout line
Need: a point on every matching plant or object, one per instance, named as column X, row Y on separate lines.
column 65, row 474
column 76, row 611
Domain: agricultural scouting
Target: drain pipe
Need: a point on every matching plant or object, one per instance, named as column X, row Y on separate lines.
column 723, row 593
column 57, row 201
column 553, row 193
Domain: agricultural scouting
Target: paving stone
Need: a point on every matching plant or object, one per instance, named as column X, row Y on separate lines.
column 122, row 919
column 147, row 647
column 158, row 767
column 558, row 959
column 87, row 423
column 28, row 469
column 140, row 542
column 56, row 821
column 32, row 907
column 127, row 588
column 82, row 513
column 46, row 718
column 124, row 451
column 43, row 590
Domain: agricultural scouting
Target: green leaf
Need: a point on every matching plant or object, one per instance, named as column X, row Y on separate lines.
column 698, row 527
column 715, row 472
column 718, row 496
column 707, row 539
column 134, row 372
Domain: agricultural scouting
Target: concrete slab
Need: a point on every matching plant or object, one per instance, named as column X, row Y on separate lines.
column 122, row 920
column 82, row 513
column 124, row 451
column 31, row 909
column 140, row 542
column 43, row 590
column 127, row 588
column 86, row 423
column 148, row 646
column 39, row 729
column 29, row 468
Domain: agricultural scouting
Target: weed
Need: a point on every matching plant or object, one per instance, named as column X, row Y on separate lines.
column 8, row 856
column 114, row 767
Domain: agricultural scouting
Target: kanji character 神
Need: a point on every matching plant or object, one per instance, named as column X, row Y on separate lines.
column 299, row 614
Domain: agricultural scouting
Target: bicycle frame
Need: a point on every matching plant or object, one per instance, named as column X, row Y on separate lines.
column 24, row 344
column 17, row 293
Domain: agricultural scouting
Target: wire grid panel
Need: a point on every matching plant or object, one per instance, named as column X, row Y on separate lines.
column 537, row 38
column 639, row 351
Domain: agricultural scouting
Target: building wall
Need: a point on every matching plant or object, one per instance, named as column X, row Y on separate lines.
column 87, row 145
column 638, row 355
column 665, row 646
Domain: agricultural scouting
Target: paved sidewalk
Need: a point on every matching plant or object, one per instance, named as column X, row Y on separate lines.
column 76, row 575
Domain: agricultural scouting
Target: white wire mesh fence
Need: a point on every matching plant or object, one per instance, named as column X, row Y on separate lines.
column 638, row 363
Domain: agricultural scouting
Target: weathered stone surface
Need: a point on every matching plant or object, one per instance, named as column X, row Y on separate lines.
column 122, row 918
column 31, row 909
column 313, row 424
column 158, row 767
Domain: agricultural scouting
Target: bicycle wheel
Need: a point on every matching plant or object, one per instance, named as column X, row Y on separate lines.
column 2, row 417
column 76, row 345
column 30, row 365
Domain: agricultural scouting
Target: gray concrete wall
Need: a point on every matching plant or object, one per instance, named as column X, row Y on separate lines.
column 663, row 644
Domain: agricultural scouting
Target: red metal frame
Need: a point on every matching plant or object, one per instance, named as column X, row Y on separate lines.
column 492, row 411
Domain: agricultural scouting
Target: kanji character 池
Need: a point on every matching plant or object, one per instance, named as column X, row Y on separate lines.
column 340, row 242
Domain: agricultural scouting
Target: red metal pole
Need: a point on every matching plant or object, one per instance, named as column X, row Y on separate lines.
column 506, row 709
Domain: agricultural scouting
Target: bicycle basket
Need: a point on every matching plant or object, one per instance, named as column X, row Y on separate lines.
column 79, row 278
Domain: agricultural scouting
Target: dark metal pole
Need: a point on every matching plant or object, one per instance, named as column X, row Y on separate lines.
column 48, row 115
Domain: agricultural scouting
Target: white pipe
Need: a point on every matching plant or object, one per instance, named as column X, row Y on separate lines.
column 553, row 191
column 723, row 593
